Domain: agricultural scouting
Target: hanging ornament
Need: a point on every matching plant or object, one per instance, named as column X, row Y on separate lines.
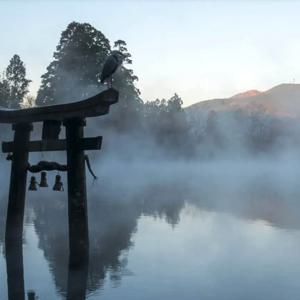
column 43, row 182
column 58, row 185
column 33, row 184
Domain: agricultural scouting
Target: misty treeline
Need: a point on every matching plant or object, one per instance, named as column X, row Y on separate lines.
column 133, row 127
column 243, row 133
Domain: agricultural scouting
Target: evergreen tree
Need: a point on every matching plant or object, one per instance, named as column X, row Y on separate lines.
column 127, row 114
column 15, row 82
column 175, row 104
column 74, row 72
column 78, row 59
column 121, row 46
column 166, row 122
column 4, row 92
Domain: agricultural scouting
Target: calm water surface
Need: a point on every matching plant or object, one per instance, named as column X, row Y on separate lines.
column 172, row 231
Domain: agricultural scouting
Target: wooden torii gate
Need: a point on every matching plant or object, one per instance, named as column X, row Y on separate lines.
column 72, row 116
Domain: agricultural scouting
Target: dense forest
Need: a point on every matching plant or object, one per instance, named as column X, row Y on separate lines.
column 137, row 128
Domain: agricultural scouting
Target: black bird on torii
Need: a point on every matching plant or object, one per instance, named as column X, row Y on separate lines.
column 112, row 63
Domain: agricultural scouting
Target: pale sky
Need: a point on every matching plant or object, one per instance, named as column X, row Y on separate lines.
column 198, row 49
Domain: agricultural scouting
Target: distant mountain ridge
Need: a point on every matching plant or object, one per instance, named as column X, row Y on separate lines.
column 282, row 100
column 246, row 94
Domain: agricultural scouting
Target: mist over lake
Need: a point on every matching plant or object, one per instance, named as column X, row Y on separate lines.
column 172, row 229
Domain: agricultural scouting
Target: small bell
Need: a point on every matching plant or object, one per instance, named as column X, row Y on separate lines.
column 43, row 182
column 58, row 185
column 31, row 295
column 32, row 184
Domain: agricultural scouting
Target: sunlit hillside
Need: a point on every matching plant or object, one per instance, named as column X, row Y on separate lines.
column 281, row 100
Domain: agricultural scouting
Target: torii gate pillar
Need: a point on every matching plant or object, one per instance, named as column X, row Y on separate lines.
column 17, row 188
column 77, row 199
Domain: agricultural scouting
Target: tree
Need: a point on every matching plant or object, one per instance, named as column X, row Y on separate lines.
column 29, row 101
column 121, row 46
column 165, row 120
column 127, row 114
column 175, row 104
column 4, row 92
column 78, row 60
column 15, row 82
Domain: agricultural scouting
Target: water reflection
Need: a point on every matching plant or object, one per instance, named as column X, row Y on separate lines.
column 14, row 262
column 114, row 214
column 110, row 228
column 3, row 202
column 77, row 267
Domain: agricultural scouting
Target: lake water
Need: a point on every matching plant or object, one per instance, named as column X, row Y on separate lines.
column 168, row 231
